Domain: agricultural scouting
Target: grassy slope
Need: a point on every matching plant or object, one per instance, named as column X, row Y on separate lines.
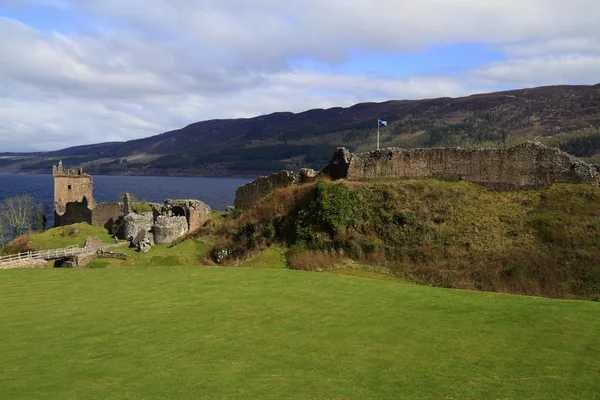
column 223, row 333
column 59, row 237
column 450, row 234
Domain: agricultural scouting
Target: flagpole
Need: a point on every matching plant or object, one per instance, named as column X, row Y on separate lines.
column 377, row 133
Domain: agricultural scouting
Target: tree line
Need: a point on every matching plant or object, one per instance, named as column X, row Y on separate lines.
column 19, row 215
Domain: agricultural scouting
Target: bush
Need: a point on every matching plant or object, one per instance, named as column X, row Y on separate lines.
column 548, row 228
column 587, row 285
column 19, row 245
column 514, row 270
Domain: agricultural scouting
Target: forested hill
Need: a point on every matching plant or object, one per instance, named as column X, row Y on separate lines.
column 563, row 116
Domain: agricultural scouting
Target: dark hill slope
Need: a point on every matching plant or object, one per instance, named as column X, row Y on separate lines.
column 287, row 140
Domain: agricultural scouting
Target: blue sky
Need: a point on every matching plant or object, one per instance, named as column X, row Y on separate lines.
column 76, row 72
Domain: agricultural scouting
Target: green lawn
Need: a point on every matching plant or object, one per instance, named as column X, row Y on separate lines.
column 244, row 333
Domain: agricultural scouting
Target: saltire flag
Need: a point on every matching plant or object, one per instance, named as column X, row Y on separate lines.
column 382, row 122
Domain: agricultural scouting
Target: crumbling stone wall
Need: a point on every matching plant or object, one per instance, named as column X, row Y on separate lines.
column 250, row 193
column 133, row 224
column 71, row 185
column 107, row 214
column 526, row 166
column 167, row 229
column 196, row 212
column 73, row 213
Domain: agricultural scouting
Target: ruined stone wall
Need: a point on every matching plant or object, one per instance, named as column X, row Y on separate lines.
column 196, row 212
column 250, row 193
column 74, row 212
column 167, row 229
column 71, row 185
column 133, row 224
column 526, row 166
column 107, row 214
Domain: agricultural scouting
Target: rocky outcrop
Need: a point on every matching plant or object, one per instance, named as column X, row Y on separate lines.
column 143, row 241
column 167, row 229
column 133, row 224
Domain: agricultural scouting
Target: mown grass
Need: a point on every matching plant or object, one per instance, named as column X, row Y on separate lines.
column 241, row 333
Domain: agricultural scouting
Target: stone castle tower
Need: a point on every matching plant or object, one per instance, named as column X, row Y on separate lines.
column 71, row 185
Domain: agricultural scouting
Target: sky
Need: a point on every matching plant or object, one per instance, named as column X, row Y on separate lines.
column 76, row 72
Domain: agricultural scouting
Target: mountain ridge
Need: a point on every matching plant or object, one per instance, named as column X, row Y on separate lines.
column 286, row 140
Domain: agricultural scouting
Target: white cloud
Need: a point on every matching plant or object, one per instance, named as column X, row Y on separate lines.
column 538, row 71
column 143, row 67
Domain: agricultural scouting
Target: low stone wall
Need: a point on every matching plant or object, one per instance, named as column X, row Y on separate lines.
column 112, row 254
column 250, row 193
column 25, row 263
column 526, row 166
column 167, row 229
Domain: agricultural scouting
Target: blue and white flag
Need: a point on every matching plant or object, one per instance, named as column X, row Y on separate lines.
column 382, row 122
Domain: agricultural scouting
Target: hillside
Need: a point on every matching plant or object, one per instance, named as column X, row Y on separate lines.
column 449, row 234
column 564, row 116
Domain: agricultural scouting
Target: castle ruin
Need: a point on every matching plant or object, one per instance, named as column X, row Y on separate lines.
column 525, row 166
column 74, row 202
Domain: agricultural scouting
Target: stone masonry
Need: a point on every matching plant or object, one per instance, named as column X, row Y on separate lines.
column 250, row 193
column 134, row 223
column 167, row 229
column 74, row 202
column 526, row 166
column 71, row 185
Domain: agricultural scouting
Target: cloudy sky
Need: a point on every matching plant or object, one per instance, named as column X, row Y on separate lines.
column 77, row 72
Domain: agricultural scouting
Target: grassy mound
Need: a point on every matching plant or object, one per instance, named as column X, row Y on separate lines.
column 449, row 234
column 63, row 236
column 241, row 333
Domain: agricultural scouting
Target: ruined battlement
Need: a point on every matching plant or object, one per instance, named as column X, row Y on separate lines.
column 72, row 186
column 60, row 171
column 74, row 202
column 250, row 193
column 525, row 166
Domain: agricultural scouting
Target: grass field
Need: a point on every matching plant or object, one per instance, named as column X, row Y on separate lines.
column 250, row 333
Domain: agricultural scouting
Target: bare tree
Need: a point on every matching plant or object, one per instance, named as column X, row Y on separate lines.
column 19, row 215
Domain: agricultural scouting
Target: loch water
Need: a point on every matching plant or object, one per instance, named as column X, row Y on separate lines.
column 218, row 193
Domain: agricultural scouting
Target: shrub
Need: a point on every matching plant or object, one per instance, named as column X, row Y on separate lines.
column 587, row 285
column 547, row 227
column 403, row 219
column 19, row 245
column 268, row 231
column 514, row 270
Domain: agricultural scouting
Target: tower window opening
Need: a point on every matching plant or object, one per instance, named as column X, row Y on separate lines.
column 69, row 187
